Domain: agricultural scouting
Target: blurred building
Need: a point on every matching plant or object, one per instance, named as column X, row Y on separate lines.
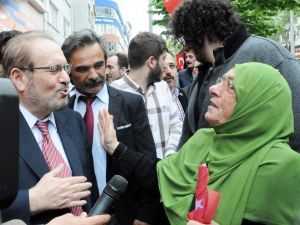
column 60, row 17
column 83, row 14
column 109, row 23
column 22, row 15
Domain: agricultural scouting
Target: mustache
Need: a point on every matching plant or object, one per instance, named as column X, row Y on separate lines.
column 94, row 82
column 168, row 76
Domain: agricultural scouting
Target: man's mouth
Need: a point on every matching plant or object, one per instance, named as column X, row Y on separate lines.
column 168, row 78
column 213, row 104
column 64, row 91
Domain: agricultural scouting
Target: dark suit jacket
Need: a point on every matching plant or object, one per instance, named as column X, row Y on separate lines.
column 182, row 98
column 185, row 77
column 133, row 130
column 32, row 165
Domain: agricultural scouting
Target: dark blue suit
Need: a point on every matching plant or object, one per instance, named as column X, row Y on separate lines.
column 32, row 165
column 185, row 77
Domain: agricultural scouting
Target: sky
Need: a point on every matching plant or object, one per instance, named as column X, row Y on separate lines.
column 136, row 12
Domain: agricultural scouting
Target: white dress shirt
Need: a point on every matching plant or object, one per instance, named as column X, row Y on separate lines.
column 31, row 121
column 99, row 153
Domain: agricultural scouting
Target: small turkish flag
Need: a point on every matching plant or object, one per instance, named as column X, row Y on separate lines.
column 206, row 200
column 171, row 5
column 180, row 61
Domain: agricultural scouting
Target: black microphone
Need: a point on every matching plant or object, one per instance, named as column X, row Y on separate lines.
column 111, row 194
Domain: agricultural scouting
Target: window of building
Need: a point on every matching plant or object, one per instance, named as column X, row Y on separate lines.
column 66, row 27
column 112, row 47
column 53, row 11
column 90, row 14
column 101, row 11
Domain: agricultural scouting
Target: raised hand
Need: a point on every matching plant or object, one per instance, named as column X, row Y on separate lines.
column 53, row 192
column 107, row 131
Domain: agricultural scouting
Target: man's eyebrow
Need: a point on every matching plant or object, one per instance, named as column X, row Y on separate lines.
column 98, row 62
column 227, row 77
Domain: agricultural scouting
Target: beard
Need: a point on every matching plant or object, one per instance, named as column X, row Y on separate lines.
column 47, row 104
column 155, row 75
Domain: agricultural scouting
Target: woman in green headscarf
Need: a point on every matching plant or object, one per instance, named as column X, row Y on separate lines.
column 247, row 153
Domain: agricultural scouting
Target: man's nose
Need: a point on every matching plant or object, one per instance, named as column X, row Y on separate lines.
column 64, row 77
column 107, row 70
column 93, row 73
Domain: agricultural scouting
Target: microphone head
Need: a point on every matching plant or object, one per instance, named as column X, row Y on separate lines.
column 116, row 187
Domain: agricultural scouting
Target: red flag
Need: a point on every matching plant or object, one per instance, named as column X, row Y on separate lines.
column 171, row 5
column 206, row 200
column 180, row 61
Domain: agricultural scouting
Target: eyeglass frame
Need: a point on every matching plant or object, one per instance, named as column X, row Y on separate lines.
column 223, row 79
column 58, row 68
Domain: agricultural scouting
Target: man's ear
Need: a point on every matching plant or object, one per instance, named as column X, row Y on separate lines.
column 123, row 70
column 151, row 62
column 19, row 79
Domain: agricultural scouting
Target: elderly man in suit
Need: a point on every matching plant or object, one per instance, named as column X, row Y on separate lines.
column 87, row 54
column 53, row 160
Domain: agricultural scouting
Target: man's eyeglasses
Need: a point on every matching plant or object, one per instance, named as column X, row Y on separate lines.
column 53, row 69
column 228, row 82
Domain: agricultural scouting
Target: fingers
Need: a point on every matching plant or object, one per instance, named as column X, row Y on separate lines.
column 75, row 203
column 56, row 171
column 75, row 180
column 98, row 220
column 83, row 214
column 105, row 121
column 79, row 195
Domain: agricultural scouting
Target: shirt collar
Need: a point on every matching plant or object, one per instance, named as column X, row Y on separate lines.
column 31, row 119
column 136, row 87
column 102, row 95
column 176, row 92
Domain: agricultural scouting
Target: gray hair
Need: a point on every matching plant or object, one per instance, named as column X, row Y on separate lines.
column 18, row 50
column 81, row 39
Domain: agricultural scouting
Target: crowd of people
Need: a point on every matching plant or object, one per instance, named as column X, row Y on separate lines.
column 233, row 110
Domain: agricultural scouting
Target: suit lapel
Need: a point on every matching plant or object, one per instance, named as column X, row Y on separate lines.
column 65, row 133
column 114, row 105
column 30, row 152
column 72, row 101
column 190, row 108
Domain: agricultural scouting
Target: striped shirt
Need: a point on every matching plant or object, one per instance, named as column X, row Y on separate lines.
column 162, row 112
column 178, row 103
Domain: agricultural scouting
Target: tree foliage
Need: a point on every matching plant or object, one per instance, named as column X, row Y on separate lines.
column 259, row 16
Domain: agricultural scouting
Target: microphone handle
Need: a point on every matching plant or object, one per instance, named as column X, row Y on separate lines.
column 102, row 205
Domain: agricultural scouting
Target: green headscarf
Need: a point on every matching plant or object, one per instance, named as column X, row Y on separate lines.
column 237, row 153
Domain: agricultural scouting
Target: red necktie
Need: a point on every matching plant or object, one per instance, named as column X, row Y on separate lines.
column 89, row 116
column 54, row 158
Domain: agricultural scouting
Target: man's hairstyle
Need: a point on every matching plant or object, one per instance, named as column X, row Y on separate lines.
column 81, row 39
column 170, row 52
column 122, row 59
column 197, row 19
column 143, row 46
column 5, row 36
column 18, row 51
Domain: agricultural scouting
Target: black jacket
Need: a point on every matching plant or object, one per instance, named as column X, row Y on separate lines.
column 134, row 132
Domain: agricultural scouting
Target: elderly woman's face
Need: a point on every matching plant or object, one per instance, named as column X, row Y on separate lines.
column 222, row 101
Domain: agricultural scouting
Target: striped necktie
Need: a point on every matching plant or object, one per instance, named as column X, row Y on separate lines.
column 54, row 158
